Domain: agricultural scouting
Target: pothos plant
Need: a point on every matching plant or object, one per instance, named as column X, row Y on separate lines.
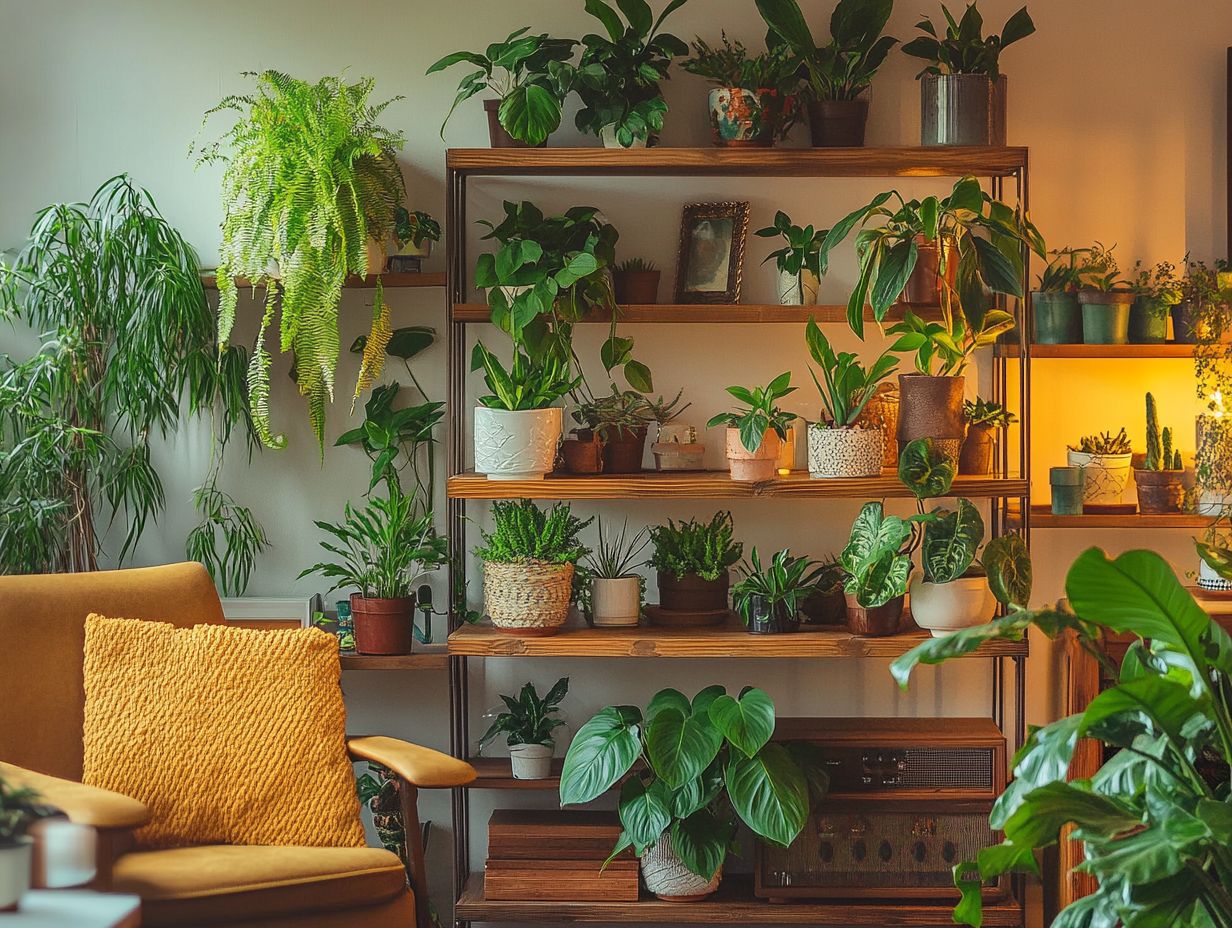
column 311, row 180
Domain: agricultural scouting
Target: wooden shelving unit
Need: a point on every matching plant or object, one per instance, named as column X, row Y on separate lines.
column 210, row 282
column 1132, row 352
column 421, row 660
column 717, row 313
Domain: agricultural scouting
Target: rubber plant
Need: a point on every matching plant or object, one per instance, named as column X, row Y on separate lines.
column 1155, row 820
column 311, row 179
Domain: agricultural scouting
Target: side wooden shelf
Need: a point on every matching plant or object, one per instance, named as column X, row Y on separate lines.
column 431, row 660
column 1042, row 517
column 437, row 279
column 728, row 313
column 1041, row 352
column 497, row 773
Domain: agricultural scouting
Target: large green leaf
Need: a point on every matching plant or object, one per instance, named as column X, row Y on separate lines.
column 925, row 470
column 769, row 792
column 950, row 542
column 667, row 698
column 602, row 752
column 680, row 747
column 645, row 812
column 747, row 722
column 530, row 113
column 705, row 698
column 1165, row 702
column 785, row 18
column 1007, row 561
column 1044, row 811
column 700, row 841
column 1044, row 759
column 960, row 643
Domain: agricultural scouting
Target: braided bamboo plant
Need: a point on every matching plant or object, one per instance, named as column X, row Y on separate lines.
column 310, row 180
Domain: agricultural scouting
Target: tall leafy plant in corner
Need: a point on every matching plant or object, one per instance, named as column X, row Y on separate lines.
column 311, row 180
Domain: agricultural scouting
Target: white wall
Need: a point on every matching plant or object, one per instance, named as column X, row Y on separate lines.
column 1121, row 102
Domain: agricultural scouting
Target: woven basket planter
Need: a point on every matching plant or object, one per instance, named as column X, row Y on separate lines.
column 527, row 599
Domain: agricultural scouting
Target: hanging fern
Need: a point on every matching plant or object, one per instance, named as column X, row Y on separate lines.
column 310, row 180
column 372, row 362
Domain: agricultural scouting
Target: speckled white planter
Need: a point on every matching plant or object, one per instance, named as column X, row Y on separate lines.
column 944, row 608
column 849, row 452
column 669, row 879
column 516, row 445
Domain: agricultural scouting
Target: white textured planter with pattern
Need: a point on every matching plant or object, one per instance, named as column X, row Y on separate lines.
column 668, row 878
column 849, row 452
column 1209, row 579
column 1105, row 476
column 516, row 445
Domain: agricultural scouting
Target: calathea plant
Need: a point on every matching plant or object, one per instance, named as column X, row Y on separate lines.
column 311, row 180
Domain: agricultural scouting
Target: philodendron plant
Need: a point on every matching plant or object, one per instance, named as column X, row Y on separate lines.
column 1155, row 820
column 761, row 413
column 698, row 768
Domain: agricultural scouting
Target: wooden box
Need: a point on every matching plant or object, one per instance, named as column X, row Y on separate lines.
column 561, row 881
column 531, row 834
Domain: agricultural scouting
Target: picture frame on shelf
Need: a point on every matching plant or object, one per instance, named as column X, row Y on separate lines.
column 710, row 264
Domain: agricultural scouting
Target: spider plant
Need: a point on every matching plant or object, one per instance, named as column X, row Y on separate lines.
column 786, row 581
column 617, row 553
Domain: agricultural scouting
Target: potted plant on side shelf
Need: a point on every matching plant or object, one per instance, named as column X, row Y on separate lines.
column 1054, row 303
column 17, row 812
column 692, row 560
column 618, row 75
column 962, row 89
column 692, row 771
column 528, row 565
column 636, row 282
column 755, row 434
column 985, row 419
column 611, row 594
column 382, row 550
column 530, row 76
column 1105, row 460
column 1203, row 315
column 836, row 74
column 838, row 446
column 1156, row 291
column 528, row 725
column 1106, row 299
column 1160, row 478
column 797, row 261
column 414, row 233
column 620, row 420
column 826, row 604
column 769, row 599
column 754, row 102
column 877, row 565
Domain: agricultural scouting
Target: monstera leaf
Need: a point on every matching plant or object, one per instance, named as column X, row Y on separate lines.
column 1008, row 564
column 950, row 542
column 877, row 570
column 925, row 470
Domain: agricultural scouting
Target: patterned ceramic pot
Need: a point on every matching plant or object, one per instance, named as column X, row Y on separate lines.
column 797, row 289
column 1208, row 579
column 516, row 445
column 740, row 117
column 1105, row 476
column 849, row 452
column 668, row 878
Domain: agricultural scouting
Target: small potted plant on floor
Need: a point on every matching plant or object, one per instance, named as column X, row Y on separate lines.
column 1054, row 302
column 612, row 592
column 527, row 725
column 754, row 102
column 797, row 261
column 529, row 559
column 1105, row 460
column 837, row 74
column 383, row 551
column 692, row 560
column 962, row 89
column 1160, row 478
column 755, row 433
column 17, row 812
column 985, row 419
column 838, row 446
column 637, row 282
column 530, row 76
column 877, row 565
column 769, row 599
column 618, row 75
column 1106, row 298
column 692, row 771
column 1156, row 291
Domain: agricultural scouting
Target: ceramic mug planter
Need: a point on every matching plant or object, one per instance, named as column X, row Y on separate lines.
column 1159, row 491
column 527, row 600
column 844, row 452
column 615, row 601
column 1105, row 316
column 1148, row 321
column 383, row 626
column 636, row 288
column 766, row 618
column 874, row 621
column 531, row 761
column 607, row 135
column 666, row 876
column 677, row 448
column 975, row 458
column 838, row 123
column 944, row 608
column 1067, row 485
column 1105, row 476
column 962, row 109
column 932, row 407
column 797, row 289
column 517, row 445
column 584, row 454
column 1058, row 317
column 753, row 466
column 740, row 117
column 623, row 450
column 16, row 861
column 497, row 134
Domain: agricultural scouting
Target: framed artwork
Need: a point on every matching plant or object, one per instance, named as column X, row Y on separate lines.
column 712, row 237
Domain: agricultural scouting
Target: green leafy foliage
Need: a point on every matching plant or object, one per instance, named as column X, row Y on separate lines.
column 1155, row 829
column 706, row 549
column 761, row 412
column 616, row 553
column 848, row 385
column 1104, row 443
column 523, row 532
column 1007, row 562
column 802, row 249
column 964, row 49
column 875, row 558
column 925, row 470
column 415, row 228
column 18, row 810
column 1069, row 269
column 398, row 439
column 730, row 64
column 529, row 719
column 310, row 179
column 786, row 581
column 704, row 766
column 987, row 414
column 951, row 540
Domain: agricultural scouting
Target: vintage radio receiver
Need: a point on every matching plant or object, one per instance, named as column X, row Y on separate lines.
column 908, row 799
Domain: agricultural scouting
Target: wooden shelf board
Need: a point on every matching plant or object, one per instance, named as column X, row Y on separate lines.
column 496, row 773
column 422, row 660
column 387, row 280
column 739, row 313
column 1042, row 517
column 1039, row 352
column 930, row 161
column 731, row 640
column 733, row 904
column 712, row 485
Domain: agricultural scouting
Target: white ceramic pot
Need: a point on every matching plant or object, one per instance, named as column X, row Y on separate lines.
column 15, row 863
column 607, row 135
column 1105, row 475
column 616, row 601
column 1214, row 503
column 516, row 445
column 798, row 290
column 1209, row 579
column 669, row 879
column 846, row 452
column 944, row 608
column 531, row 761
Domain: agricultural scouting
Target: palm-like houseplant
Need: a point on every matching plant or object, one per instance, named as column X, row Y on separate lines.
column 769, row 598
column 310, row 191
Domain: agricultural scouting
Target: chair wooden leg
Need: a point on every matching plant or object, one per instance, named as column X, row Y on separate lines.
column 416, row 871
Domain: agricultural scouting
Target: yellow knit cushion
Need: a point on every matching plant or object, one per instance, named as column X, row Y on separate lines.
column 228, row 735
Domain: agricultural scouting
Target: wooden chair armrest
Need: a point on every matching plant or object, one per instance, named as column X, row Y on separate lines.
column 421, row 767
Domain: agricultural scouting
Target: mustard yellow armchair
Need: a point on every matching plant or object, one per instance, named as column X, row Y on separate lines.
column 41, row 716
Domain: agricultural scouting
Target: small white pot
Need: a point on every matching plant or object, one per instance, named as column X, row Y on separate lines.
column 1209, row 579
column 798, row 290
column 944, row 608
column 607, row 135
column 616, row 601
column 517, row 445
column 668, row 878
column 15, row 864
column 531, row 761
column 1105, row 475
column 1214, row 503
column 845, row 452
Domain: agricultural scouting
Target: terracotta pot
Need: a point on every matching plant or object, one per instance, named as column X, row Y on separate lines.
column 924, row 285
column 623, row 450
column 582, row 455
column 931, row 407
column 753, row 466
column 875, row 622
column 1159, row 491
column 636, row 288
column 383, row 626
column 975, row 458
column 497, row 134
column 825, row 608
column 691, row 593
column 838, row 123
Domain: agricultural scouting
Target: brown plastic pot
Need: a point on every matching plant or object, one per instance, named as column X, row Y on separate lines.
column 1159, row 491
column 582, row 455
column 691, row 593
column 875, row 622
column 838, row 123
column 931, row 407
column 498, row 136
column 623, row 450
column 636, row 288
column 383, row 626
column 924, row 285
column 975, row 459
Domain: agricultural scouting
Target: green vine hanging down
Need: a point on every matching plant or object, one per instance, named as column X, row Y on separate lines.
column 311, row 179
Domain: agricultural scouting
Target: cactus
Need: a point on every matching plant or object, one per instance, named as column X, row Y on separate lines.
column 1155, row 458
column 1166, row 462
column 1178, row 462
column 1104, row 443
